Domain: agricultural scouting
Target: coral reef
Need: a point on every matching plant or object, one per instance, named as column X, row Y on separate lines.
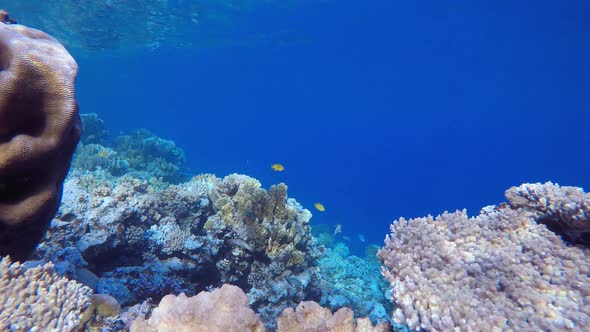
column 134, row 239
column 140, row 153
column 38, row 299
column 39, row 130
column 227, row 309
column 565, row 210
column 156, row 156
column 500, row 270
column 94, row 130
column 223, row 309
column 354, row 282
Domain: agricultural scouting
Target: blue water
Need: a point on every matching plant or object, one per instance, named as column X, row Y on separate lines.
column 378, row 109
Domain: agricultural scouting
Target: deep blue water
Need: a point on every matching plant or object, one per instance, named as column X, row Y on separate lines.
column 378, row 109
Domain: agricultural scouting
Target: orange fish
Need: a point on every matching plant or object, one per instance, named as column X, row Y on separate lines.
column 277, row 167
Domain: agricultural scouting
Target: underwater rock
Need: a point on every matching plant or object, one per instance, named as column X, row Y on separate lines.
column 501, row 269
column 39, row 130
column 144, row 240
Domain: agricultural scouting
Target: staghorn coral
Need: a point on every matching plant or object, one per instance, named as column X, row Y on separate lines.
column 500, row 270
column 39, row 130
column 311, row 317
column 224, row 309
column 565, row 210
column 39, row 299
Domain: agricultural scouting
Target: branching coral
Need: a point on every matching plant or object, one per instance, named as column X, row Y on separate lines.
column 37, row 299
column 267, row 221
column 39, row 130
column 498, row 271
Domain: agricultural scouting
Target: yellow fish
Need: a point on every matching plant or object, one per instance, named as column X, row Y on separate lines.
column 277, row 167
column 102, row 153
column 320, row 207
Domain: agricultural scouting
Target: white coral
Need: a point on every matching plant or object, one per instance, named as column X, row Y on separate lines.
column 39, row 299
column 498, row 271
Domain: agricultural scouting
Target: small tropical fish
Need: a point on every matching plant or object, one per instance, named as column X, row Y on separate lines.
column 277, row 167
column 320, row 207
column 337, row 230
column 242, row 244
column 102, row 153
column 362, row 238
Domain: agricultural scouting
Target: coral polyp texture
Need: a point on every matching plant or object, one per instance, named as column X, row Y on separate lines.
column 39, row 130
column 38, row 299
column 309, row 316
column 565, row 210
column 223, row 309
column 499, row 270
column 227, row 309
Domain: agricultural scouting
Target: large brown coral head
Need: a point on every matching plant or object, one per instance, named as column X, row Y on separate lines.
column 39, row 130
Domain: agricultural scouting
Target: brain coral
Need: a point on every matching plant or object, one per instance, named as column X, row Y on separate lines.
column 500, row 270
column 39, row 130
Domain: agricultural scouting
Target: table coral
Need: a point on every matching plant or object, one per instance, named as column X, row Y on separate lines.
column 39, row 130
